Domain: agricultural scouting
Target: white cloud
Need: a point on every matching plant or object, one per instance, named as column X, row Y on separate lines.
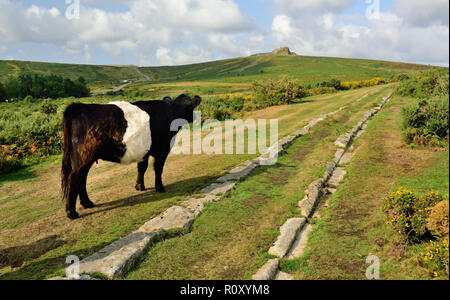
column 186, row 31
column 295, row 7
column 423, row 13
column 395, row 35
column 145, row 27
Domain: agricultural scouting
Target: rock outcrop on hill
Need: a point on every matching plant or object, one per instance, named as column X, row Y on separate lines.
column 283, row 51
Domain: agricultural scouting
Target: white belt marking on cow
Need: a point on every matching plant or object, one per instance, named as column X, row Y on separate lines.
column 137, row 138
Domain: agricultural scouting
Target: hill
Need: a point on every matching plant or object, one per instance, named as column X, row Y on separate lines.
column 261, row 66
column 281, row 61
column 92, row 73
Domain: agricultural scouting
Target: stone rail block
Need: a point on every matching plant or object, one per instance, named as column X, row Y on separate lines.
column 218, row 188
column 299, row 246
column 338, row 155
column 346, row 159
column 312, row 199
column 337, row 178
column 196, row 205
column 240, row 172
column 116, row 259
column 329, row 171
column 268, row 271
column 283, row 276
column 287, row 236
column 176, row 217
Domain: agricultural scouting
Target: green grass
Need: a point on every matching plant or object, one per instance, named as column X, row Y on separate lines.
column 92, row 73
column 353, row 227
column 121, row 209
column 305, row 68
column 231, row 238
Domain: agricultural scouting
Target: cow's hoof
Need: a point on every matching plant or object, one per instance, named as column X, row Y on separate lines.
column 161, row 190
column 88, row 204
column 140, row 187
column 73, row 215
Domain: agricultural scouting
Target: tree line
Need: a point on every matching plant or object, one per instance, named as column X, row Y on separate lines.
column 42, row 86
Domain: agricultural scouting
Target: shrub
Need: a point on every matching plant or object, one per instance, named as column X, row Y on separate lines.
column 408, row 214
column 436, row 258
column 438, row 221
column 426, row 119
column 9, row 164
column 322, row 90
column 29, row 100
column 426, row 84
column 277, row 92
column 48, row 107
column 221, row 108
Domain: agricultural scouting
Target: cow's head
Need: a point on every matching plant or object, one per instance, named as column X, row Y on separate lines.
column 184, row 106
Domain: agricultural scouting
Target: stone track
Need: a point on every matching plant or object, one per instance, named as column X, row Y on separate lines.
column 293, row 237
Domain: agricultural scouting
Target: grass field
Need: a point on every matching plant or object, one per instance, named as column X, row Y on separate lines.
column 92, row 73
column 304, row 68
column 38, row 235
column 238, row 70
column 231, row 238
column 353, row 227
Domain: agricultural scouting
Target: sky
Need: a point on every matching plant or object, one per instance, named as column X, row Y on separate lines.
column 176, row 32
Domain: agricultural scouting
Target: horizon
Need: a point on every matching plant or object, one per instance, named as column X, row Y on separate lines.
column 204, row 62
column 154, row 34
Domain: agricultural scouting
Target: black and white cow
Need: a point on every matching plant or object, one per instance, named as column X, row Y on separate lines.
column 118, row 132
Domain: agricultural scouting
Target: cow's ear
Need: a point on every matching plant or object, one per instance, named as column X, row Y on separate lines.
column 168, row 100
column 197, row 101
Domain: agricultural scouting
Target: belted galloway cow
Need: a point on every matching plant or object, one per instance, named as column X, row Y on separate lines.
column 118, row 132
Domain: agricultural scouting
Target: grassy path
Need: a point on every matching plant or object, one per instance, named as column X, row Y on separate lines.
column 231, row 238
column 36, row 237
column 352, row 227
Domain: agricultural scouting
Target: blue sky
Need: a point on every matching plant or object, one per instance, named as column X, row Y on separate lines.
column 170, row 32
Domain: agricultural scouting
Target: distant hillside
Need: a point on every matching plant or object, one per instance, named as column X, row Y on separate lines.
column 267, row 65
column 246, row 69
column 91, row 73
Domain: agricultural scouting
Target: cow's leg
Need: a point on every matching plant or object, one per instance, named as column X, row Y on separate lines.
column 142, row 168
column 71, row 200
column 160, row 160
column 84, row 198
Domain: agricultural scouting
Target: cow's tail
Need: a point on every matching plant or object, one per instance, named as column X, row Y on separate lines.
column 66, row 169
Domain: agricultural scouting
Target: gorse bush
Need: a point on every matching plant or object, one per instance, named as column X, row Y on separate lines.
column 426, row 120
column 29, row 131
column 427, row 84
column 414, row 217
column 284, row 90
column 49, row 108
column 221, row 108
column 438, row 221
column 408, row 214
column 9, row 164
column 436, row 258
